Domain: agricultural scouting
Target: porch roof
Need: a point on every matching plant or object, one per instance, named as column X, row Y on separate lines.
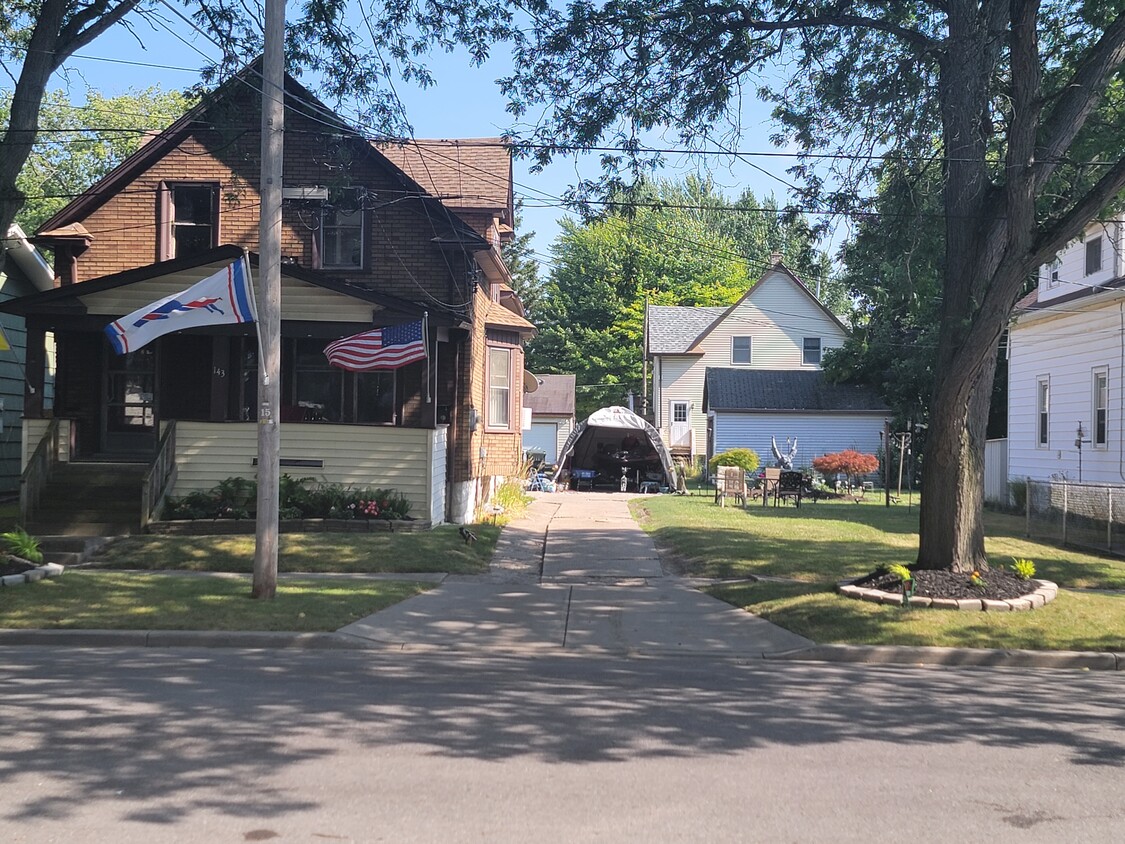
column 178, row 274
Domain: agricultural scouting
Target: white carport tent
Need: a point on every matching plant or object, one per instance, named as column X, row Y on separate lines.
column 606, row 426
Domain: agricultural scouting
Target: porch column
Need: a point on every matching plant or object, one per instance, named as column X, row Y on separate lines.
column 36, row 369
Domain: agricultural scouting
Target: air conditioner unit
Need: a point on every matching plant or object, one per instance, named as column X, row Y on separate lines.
column 311, row 192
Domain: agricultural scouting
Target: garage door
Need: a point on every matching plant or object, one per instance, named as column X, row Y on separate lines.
column 543, row 438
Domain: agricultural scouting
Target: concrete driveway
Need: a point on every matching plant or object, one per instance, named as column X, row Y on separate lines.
column 576, row 573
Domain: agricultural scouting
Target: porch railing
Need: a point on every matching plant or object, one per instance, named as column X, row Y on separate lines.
column 160, row 476
column 38, row 471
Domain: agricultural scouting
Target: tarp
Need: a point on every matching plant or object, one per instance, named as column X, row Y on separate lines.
column 605, row 426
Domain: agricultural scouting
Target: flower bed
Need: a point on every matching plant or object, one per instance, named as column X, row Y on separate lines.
column 204, row 527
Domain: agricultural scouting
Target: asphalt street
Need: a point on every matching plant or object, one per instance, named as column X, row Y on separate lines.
column 218, row 745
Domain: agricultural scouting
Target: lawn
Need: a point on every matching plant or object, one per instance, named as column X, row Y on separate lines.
column 439, row 550
column 820, row 544
column 105, row 600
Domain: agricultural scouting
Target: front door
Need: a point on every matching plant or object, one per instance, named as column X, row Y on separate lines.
column 680, row 429
column 128, row 417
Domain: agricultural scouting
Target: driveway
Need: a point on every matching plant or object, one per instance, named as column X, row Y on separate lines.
column 576, row 574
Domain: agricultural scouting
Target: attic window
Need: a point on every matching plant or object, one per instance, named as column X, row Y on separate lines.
column 740, row 350
column 341, row 238
column 1053, row 277
column 189, row 219
column 1094, row 255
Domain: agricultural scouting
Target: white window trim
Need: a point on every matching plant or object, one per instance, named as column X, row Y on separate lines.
column 748, row 337
column 1053, row 273
column 672, row 412
column 1040, row 382
column 488, row 423
column 1095, row 373
column 820, row 340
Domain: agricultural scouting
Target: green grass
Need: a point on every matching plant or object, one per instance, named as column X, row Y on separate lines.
column 1073, row 621
column 106, row 600
column 439, row 550
column 834, row 540
column 820, row 544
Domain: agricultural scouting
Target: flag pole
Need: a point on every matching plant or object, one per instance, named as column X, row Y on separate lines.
column 426, row 348
column 253, row 305
column 269, row 332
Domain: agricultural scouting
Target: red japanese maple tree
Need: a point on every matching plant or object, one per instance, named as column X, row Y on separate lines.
column 850, row 462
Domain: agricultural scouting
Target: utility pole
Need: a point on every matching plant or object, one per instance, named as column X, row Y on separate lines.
column 269, row 326
column 644, row 363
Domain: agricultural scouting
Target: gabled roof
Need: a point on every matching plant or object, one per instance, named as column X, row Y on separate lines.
column 499, row 316
column 778, row 267
column 299, row 99
column 555, row 396
column 673, row 329
column 785, row 389
column 67, row 299
column 471, row 173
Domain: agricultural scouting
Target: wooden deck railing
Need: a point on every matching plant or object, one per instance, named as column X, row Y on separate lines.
column 38, row 471
column 160, row 477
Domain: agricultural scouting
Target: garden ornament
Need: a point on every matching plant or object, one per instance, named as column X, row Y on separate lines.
column 784, row 461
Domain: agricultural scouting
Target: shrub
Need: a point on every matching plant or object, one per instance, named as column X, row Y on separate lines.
column 900, row 571
column 850, row 462
column 1023, row 569
column 20, row 543
column 229, row 498
column 1018, row 490
column 746, row 458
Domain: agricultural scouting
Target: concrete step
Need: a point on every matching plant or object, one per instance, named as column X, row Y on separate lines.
column 81, row 528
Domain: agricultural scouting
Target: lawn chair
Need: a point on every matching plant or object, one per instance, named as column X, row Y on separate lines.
column 730, row 481
column 790, row 486
column 770, row 478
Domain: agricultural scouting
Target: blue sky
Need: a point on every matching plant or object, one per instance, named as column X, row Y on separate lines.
column 464, row 103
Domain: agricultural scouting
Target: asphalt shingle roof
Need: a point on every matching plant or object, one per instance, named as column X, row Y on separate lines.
column 462, row 172
column 673, row 329
column 793, row 389
column 555, row 396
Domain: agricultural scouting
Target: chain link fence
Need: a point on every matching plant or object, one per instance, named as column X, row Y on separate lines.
column 1083, row 515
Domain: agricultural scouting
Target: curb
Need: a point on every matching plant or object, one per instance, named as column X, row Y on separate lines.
column 183, row 639
column 918, row 655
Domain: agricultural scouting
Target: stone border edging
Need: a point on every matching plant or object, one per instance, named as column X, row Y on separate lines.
column 1045, row 592
column 38, row 573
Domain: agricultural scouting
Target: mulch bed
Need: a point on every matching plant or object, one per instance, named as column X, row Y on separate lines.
column 12, row 565
column 999, row 585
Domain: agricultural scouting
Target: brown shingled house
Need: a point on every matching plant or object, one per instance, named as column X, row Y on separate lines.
column 373, row 236
column 552, row 416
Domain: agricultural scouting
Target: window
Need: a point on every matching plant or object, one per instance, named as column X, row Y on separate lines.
column 189, row 218
column 499, row 388
column 341, row 232
column 812, row 351
column 1053, row 273
column 1044, row 407
column 679, row 411
column 740, row 350
column 1101, row 408
column 1094, row 255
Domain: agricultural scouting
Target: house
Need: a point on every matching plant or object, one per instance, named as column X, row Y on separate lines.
column 22, row 272
column 374, row 235
column 552, row 416
column 1066, row 357
column 751, row 408
column 778, row 324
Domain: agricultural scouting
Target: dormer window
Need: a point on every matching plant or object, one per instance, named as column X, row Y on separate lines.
column 1094, row 255
column 340, row 239
column 1053, row 272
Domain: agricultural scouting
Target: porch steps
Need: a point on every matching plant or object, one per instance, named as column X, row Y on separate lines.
column 70, row 550
column 90, row 499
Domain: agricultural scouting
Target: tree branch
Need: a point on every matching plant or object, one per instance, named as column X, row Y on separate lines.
column 1078, row 98
column 1053, row 237
column 73, row 37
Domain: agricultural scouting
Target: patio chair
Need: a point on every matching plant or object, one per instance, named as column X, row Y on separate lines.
column 770, row 477
column 790, row 486
column 730, row 481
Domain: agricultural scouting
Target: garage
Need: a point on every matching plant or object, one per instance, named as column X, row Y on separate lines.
column 543, row 438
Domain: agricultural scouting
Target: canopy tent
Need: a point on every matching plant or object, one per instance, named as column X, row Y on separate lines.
column 615, row 438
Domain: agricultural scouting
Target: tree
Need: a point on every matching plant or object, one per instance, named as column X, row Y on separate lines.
column 854, row 464
column 80, row 144
column 351, row 53
column 1011, row 97
column 523, row 265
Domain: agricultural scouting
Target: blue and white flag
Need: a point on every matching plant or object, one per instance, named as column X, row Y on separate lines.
column 225, row 298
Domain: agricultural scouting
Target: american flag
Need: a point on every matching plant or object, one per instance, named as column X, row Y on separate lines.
column 383, row 348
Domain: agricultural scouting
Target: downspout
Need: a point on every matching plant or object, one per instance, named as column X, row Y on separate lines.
column 1121, row 393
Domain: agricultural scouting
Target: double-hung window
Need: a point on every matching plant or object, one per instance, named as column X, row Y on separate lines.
column 1094, row 255
column 341, row 238
column 499, row 388
column 740, row 350
column 1101, row 408
column 189, row 223
column 811, row 352
column 1043, row 401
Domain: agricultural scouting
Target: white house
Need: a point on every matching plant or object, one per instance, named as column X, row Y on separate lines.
column 1066, row 357
column 779, row 324
column 552, row 416
column 749, row 408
